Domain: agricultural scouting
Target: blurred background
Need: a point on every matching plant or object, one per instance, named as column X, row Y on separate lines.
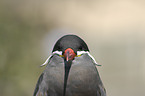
column 113, row 29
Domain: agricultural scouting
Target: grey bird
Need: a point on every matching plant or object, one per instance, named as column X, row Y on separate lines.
column 70, row 71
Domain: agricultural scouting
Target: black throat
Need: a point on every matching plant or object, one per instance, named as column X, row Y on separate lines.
column 66, row 74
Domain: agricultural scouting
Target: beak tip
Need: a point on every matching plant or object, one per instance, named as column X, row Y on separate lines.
column 67, row 59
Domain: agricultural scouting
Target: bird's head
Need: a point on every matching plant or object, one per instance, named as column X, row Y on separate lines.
column 69, row 47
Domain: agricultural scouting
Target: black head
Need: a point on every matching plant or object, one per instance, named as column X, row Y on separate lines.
column 70, row 41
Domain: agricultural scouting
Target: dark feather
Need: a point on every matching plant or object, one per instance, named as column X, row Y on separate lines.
column 37, row 85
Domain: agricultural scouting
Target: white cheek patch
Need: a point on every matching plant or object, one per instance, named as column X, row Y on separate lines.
column 48, row 59
column 81, row 52
column 57, row 52
column 86, row 52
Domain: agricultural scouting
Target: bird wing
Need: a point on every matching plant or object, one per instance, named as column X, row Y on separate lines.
column 37, row 89
column 51, row 71
column 102, row 91
column 88, row 68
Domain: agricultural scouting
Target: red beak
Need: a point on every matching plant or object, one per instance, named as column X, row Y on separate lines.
column 69, row 54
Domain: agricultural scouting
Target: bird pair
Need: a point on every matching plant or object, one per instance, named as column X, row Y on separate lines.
column 70, row 71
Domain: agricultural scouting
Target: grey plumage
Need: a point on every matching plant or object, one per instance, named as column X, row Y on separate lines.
column 83, row 79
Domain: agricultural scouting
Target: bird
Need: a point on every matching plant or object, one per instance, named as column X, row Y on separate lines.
column 70, row 71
